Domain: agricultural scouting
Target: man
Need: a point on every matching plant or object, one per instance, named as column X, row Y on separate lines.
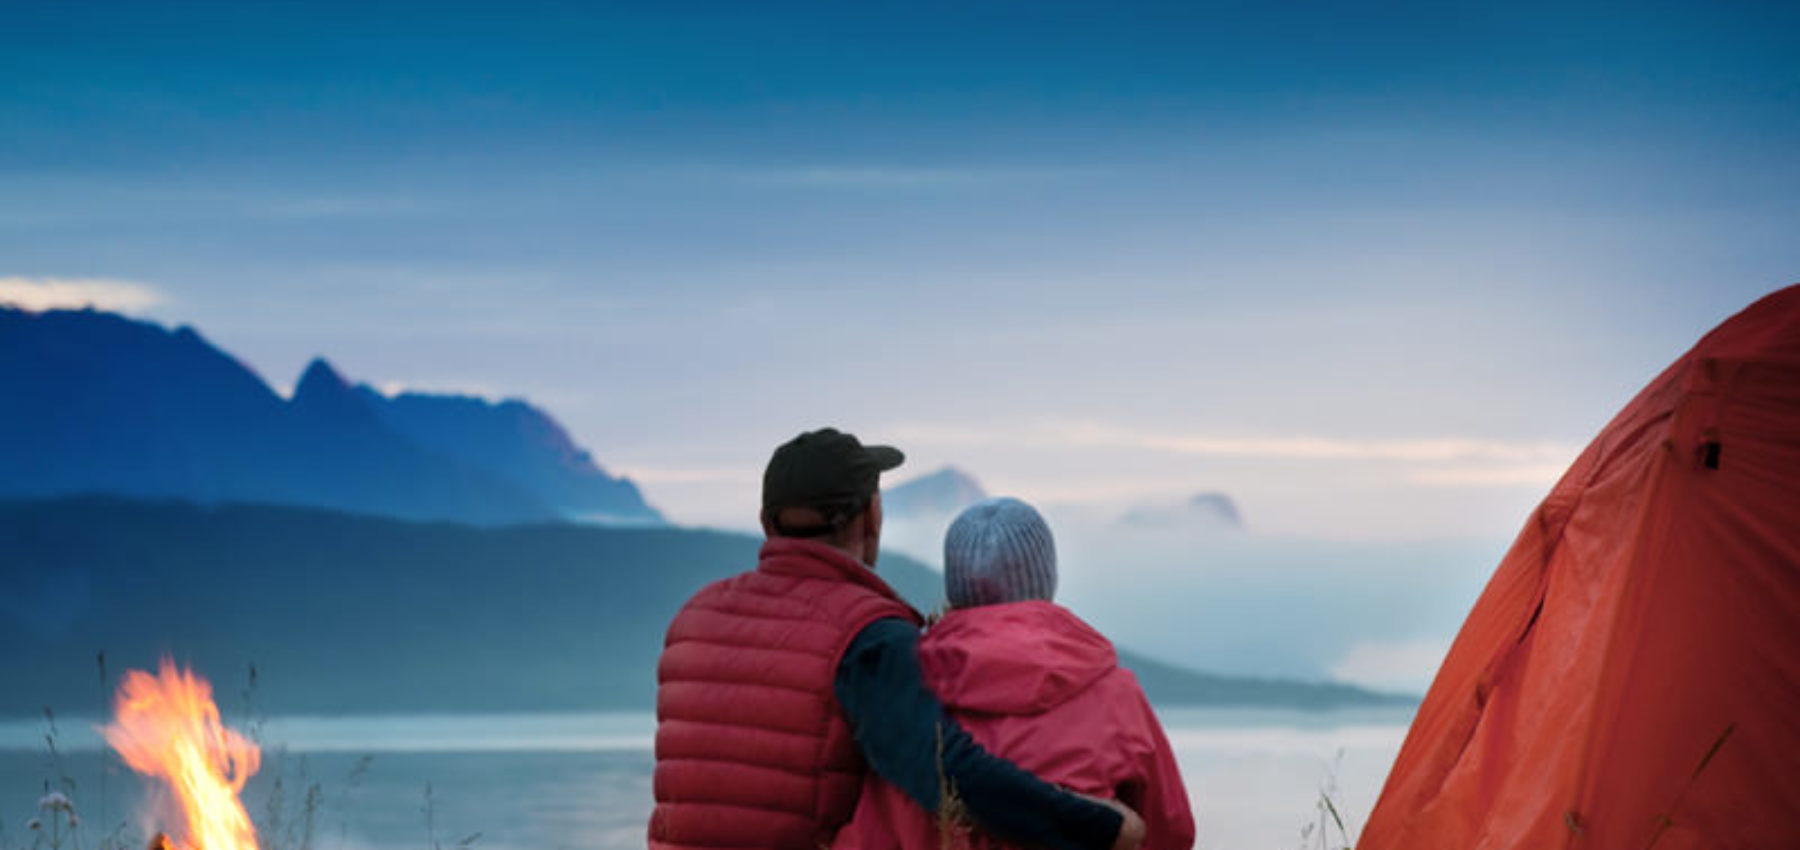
column 780, row 686
column 1033, row 683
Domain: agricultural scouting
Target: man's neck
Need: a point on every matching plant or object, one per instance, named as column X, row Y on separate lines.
column 854, row 552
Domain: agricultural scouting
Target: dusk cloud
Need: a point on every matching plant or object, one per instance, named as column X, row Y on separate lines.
column 73, row 293
column 1506, row 455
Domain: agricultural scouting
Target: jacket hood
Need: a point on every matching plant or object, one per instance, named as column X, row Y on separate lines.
column 1013, row 658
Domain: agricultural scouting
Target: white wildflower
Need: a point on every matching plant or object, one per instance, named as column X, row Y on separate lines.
column 56, row 801
column 74, row 820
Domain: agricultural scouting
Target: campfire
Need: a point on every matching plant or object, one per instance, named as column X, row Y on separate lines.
column 167, row 727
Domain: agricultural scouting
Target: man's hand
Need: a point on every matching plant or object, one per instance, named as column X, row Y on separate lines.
column 1131, row 826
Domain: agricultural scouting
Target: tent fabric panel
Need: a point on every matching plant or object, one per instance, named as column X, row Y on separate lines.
column 1706, row 704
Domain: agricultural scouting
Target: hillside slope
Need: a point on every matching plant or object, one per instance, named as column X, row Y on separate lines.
column 343, row 613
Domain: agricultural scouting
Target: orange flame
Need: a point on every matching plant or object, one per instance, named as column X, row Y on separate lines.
column 167, row 726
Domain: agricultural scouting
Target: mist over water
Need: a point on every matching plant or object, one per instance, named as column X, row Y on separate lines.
column 1378, row 613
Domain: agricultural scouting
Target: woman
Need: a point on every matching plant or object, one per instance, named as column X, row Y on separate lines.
column 1032, row 683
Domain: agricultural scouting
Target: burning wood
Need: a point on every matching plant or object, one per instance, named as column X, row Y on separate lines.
column 160, row 842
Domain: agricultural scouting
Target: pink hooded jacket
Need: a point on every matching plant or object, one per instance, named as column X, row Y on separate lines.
column 1033, row 683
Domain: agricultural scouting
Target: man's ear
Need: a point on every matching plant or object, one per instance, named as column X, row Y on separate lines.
column 871, row 518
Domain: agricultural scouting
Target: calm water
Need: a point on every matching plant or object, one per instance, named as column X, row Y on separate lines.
column 539, row 782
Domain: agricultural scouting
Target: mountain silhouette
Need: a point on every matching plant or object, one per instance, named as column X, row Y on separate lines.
column 98, row 403
column 517, row 442
column 1202, row 511
column 942, row 493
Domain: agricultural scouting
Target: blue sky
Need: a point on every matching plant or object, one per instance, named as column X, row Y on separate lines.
column 1377, row 272
column 972, row 225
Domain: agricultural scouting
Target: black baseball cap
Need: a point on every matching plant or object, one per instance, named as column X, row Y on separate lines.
column 825, row 467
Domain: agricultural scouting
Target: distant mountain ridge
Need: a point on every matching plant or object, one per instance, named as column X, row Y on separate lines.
column 1201, row 511
column 944, row 492
column 344, row 613
column 917, row 511
column 516, row 441
column 92, row 402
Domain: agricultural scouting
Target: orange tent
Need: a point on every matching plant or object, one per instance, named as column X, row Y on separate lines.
column 1630, row 678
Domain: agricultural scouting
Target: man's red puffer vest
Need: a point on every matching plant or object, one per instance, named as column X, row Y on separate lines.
column 752, row 749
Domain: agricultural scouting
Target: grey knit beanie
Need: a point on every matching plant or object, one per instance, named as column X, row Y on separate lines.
column 999, row 550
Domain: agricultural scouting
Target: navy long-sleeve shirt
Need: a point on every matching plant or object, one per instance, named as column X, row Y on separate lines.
column 897, row 723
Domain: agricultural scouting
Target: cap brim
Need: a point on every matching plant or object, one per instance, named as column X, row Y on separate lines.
column 884, row 457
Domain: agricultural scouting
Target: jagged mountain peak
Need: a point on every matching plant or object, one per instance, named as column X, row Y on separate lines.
column 1219, row 506
column 1209, row 510
column 323, row 392
column 941, row 491
column 102, row 403
column 320, row 378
